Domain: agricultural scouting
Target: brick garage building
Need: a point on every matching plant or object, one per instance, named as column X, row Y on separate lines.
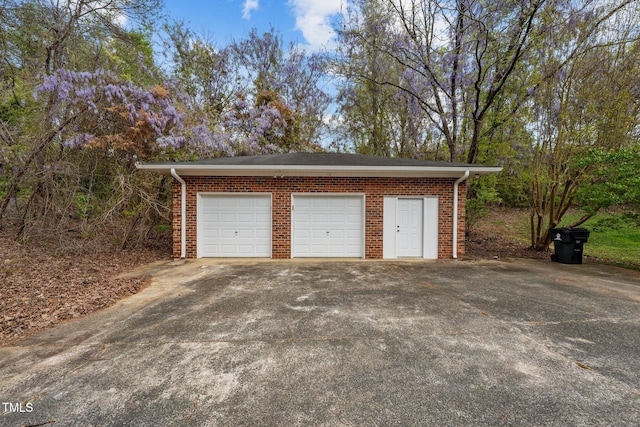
column 318, row 205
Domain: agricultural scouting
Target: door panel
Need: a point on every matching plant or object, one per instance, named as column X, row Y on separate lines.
column 409, row 227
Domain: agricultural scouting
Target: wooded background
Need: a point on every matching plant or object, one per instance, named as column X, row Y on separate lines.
column 548, row 89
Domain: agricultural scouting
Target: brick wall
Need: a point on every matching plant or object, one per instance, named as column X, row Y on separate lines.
column 282, row 187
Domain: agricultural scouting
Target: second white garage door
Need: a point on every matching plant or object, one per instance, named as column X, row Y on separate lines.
column 234, row 225
column 328, row 226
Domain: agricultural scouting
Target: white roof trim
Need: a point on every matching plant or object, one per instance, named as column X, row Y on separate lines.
column 304, row 170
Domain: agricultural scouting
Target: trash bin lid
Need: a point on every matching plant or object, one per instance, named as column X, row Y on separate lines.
column 568, row 234
column 578, row 232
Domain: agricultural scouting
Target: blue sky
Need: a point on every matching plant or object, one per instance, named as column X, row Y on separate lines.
column 306, row 22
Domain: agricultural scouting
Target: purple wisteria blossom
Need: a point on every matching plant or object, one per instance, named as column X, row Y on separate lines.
column 78, row 140
column 85, row 100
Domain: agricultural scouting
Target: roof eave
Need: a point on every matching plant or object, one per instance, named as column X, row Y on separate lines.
column 336, row 171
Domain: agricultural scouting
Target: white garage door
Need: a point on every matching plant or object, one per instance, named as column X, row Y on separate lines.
column 328, row 226
column 234, row 226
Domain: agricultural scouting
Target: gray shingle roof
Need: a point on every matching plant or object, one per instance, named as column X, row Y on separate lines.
column 317, row 164
column 319, row 159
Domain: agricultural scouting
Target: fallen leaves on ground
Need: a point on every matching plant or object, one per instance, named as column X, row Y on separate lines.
column 39, row 290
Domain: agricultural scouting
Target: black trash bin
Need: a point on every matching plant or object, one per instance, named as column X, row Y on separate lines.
column 567, row 243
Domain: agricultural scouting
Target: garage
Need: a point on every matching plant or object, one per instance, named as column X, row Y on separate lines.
column 314, row 204
column 231, row 225
column 328, row 226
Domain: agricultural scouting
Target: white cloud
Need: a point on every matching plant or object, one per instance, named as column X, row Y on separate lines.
column 312, row 19
column 121, row 19
column 249, row 6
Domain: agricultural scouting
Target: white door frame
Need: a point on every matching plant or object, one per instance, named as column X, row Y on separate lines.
column 430, row 241
column 199, row 230
column 363, row 216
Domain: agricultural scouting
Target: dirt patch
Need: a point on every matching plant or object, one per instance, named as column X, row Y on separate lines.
column 486, row 245
column 38, row 289
column 492, row 237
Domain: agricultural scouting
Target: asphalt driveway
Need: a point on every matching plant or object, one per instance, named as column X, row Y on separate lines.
column 340, row 344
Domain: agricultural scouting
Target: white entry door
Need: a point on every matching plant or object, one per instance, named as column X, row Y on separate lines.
column 234, row 225
column 409, row 227
column 327, row 226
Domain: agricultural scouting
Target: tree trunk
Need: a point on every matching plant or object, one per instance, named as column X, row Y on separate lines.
column 12, row 191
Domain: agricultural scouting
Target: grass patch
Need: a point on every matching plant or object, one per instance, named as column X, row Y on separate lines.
column 614, row 236
column 512, row 224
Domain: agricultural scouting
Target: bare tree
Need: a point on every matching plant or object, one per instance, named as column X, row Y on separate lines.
column 456, row 57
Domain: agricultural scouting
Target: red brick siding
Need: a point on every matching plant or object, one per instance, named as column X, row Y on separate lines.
column 282, row 188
